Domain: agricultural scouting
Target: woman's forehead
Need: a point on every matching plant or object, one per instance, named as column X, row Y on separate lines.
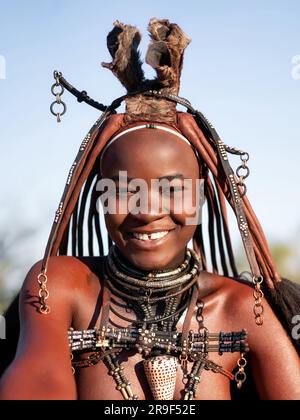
column 150, row 150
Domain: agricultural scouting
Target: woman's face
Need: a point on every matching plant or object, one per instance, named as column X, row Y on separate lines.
column 153, row 156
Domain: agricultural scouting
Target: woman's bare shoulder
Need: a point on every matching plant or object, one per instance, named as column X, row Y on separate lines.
column 235, row 299
column 66, row 271
column 68, row 278
column 231, row 298
column 211, row 284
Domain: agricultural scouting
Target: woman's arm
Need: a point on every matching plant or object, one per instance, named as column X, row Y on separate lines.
column 273, row 358
column 42, row 366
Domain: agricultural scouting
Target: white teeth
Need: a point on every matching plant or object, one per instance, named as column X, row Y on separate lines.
column 148, row 237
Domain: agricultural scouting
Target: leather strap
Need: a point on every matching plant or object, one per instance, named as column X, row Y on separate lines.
column 104, row 317
column 189, row 314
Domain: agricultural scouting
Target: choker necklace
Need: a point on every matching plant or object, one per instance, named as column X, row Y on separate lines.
column 149, row 292
column 136, row 285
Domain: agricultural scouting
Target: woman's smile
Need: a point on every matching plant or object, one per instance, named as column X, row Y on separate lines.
column 148, row 240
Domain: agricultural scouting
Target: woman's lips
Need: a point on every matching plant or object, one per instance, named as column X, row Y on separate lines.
column 147, row 244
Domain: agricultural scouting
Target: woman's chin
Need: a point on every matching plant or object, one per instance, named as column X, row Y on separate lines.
column 148, row 261
column 148, row 266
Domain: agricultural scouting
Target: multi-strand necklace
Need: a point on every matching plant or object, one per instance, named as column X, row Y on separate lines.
column 155, row 301
column 148, row 293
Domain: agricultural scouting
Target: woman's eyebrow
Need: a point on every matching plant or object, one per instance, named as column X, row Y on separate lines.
column 171, row 177
column 168, row 177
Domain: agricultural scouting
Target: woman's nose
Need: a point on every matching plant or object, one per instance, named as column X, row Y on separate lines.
column 148, row 206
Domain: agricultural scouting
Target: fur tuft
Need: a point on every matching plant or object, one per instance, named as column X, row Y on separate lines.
column 122, row 43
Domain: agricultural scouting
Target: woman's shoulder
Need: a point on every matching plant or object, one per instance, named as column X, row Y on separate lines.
column 68, row 278
column 68, row 270
column 234, row 299
column 215, row 284
column 230, row 298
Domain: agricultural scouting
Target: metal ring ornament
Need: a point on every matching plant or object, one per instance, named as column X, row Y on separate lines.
column 57, row 85
column 258, row 294
column 246, row 158
column 258, row 279
column 258, row 311
column 243, row 168
column 58, row 114
column 44, row 310
column 259, row 319
column 240, row 377
column 44, row 278
column 44, row 293
column 57, row 94
column 242, row 362
column 57, row 75
column 242, row 185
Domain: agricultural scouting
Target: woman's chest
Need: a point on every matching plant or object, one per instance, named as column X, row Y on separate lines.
column 100, row 382
column 97, row 383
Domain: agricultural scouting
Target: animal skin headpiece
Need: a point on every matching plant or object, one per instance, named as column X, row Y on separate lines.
column 154, row 101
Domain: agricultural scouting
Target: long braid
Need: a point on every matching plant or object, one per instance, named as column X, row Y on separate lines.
column 216, row 214
column 83, row 201
column 97, row 225
column 74, row 219
column 211, row 229
column 225, row 225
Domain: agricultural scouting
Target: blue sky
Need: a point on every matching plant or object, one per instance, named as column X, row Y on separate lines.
column 238, row 71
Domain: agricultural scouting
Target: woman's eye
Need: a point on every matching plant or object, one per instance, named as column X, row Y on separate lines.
column 170, row 190
column 123, row 191
column 165, row 191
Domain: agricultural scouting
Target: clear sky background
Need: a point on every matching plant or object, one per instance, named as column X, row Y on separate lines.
column 238, row 71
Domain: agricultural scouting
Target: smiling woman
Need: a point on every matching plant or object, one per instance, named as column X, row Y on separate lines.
column 156, row 236
column 151, row 319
